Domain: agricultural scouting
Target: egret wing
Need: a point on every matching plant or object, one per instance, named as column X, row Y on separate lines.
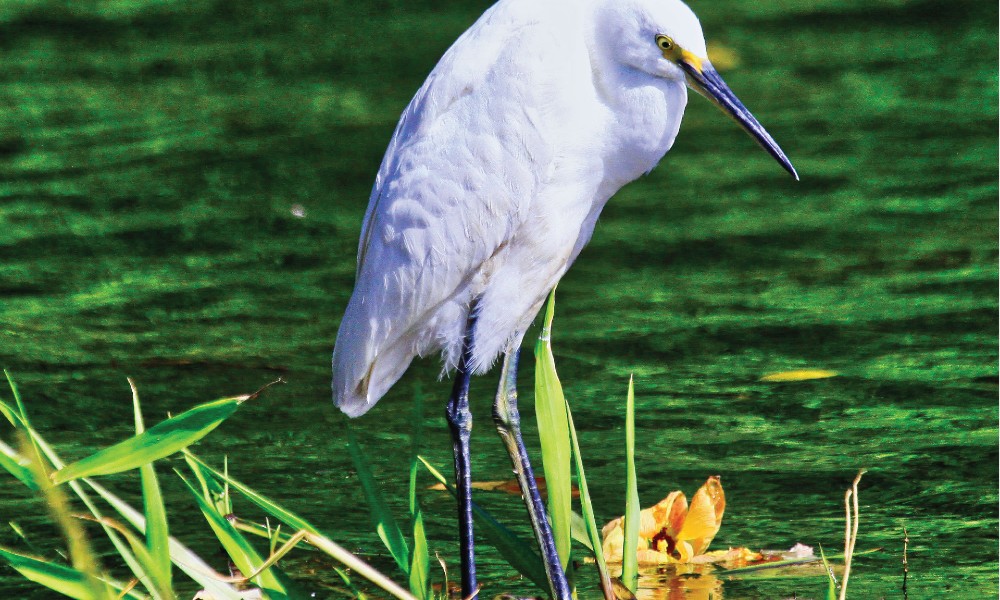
column 467, row 158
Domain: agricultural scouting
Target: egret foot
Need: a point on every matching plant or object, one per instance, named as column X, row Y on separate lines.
column 508, row 422
column 460, row 423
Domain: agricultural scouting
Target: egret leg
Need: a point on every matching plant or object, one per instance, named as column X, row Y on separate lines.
column 460, row 422
column 508, row 422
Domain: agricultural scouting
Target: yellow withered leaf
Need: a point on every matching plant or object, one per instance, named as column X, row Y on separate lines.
column 666, row 514
column 670, row 531
column 800, row 375
column 723, row 57
column 704, row 518
column 731, row 558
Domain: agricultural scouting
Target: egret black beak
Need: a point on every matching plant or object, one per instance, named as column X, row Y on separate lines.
column 704, row 79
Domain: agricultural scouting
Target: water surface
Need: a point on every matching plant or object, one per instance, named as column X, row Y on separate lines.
column 183, row 185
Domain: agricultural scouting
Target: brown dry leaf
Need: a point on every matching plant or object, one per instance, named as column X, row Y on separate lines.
column 508, row 486
column 799, row 375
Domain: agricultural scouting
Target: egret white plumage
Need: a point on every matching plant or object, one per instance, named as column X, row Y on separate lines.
column 490, row 188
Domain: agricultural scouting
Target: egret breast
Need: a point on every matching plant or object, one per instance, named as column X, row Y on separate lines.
column 646, row 123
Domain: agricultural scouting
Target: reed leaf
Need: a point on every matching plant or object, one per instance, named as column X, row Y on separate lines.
column 831, row 585
column 385, row 524
column 553, row 433
column 593, row 534
column 630, row 567
column 513, row 549
column 18, row 416
column 360, row 567
column 421, row 562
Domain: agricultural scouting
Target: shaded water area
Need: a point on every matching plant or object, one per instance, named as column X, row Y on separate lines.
column 182, row 188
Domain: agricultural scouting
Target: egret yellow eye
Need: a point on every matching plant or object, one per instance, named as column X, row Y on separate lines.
column 664, row 42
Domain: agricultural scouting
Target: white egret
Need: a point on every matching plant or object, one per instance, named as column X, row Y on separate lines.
column 492, row 184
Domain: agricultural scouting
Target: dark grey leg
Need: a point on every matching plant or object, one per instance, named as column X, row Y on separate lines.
column 460, row 422
column 508, row 421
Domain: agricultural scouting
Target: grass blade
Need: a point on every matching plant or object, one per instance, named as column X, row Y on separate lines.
column 587, row 508
column 19, row 417
column 553, row 433
column 416, row 439
column 274, row 536
column 266, row 504
column 120, row 546
column 243, row 554
column 14, row 416
column 60, row 578
column 186, row 560
column 386, row 526
column 513, row 549
column 159, row 441
column 81, row 555
column 421, row 566
column 313, row 536
column 630, row 567
column 831, row 587
column 10, row 460
column 420, row 561
column 158, row 566
column 142, row 554
column 359, row 566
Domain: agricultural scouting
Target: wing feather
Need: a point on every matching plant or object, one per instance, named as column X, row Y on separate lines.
column 467, row 157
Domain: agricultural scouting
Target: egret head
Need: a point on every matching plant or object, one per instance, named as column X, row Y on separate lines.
column 663, row 38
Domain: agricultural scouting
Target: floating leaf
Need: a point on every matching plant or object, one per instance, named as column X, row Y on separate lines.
column 799, row 375
column 703, row 520
column 723, row 57
column 778, row 560
column 671, row 531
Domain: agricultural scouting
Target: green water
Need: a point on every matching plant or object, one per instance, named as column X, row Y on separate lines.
column 154, row 157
